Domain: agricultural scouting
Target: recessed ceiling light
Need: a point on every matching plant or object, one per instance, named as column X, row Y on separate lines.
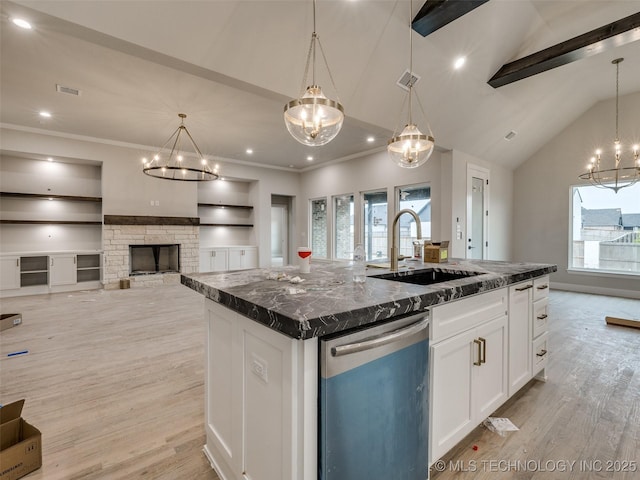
column 249, row 151
column 45, row 114
column 371, row 139
column 49, row 159
column 459, row 63
column 290, row 166
column 310, row 158
column 22, row 23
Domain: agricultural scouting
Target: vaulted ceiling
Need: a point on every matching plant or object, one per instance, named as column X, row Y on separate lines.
column 232, row 65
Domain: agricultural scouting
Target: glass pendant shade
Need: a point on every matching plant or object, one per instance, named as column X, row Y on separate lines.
column 178, row 163
column 411, row 148
column 313, row 119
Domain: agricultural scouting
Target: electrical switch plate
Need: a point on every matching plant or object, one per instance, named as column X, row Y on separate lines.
column 259, row 367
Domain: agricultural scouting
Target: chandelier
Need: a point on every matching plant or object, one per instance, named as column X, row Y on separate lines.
column 411, row 148
column 619, row 176
column 313, row 119
column 176, row 164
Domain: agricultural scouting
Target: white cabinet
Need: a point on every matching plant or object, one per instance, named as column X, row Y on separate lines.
column 62, row 269
column 214, row 260
column 468, row 369
column 241, row 258
column 9, row 272
column 540, row 350
column 520, row 327
column 260, row 400
column 49, row 273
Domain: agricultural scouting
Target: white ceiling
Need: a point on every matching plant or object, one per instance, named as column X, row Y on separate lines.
column 232, row 65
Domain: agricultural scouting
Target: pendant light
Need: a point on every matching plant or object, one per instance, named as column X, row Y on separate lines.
column 619, row 176
column 313, row 119
column 411, row 148
column 177, row 164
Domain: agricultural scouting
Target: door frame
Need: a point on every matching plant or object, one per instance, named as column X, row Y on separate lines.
column 475, row 171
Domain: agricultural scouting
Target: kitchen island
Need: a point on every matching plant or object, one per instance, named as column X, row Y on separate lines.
column 262, row 365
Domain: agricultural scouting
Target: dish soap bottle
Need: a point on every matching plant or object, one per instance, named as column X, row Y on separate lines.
column 359, row 267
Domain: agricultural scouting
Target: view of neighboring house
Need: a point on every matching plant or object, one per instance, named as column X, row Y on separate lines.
column 609, row 240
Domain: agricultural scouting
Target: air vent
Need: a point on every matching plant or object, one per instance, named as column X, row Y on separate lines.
column 68, row 90
column 407, row 78
column 510, row 135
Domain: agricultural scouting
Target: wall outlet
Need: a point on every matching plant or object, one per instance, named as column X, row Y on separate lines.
column 259, row 367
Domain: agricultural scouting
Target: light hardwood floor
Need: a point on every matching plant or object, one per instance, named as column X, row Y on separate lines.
column 114, row 380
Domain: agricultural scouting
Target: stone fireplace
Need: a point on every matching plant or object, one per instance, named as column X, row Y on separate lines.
column 164, row 247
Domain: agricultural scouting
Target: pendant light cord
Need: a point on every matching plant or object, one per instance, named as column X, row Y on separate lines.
column 410, row 61
column 617, row 89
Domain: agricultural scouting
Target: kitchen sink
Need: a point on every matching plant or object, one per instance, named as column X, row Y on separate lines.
column 425, row 277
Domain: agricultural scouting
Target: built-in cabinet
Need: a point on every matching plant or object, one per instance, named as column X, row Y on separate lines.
column 54, row 272
column 468, row 366
column 222, row 259
column 50, row 225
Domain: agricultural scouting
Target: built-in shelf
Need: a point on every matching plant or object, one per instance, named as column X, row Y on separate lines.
column 224, row 205
column 226, row 224
column 47, row 222
column 73, row 198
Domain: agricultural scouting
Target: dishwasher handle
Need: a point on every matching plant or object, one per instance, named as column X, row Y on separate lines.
column 378, row 341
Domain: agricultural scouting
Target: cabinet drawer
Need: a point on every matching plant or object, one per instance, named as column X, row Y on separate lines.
column 540, row 288
column 456, row 317
column 540, row 317
column 540, row 353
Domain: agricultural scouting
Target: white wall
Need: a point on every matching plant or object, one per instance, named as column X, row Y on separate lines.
column 542, row 193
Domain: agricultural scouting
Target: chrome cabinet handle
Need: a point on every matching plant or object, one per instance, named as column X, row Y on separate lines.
column 483, row 359
column 542, row 353
column 378, row 341
column 542, row 317
column 479, row 344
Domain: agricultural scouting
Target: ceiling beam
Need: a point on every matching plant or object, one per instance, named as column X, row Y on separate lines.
column 596, row 41
column 435, row 14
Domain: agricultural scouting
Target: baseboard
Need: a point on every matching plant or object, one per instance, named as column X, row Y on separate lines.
column 213, row 463
column 612, row 292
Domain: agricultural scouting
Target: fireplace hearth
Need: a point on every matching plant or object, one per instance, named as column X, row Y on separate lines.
column 153, row 259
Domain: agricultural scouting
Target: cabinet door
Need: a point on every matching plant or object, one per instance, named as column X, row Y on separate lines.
column 250, row 259
column 9, row 273
column 490, row 377
column 219, row 260
column 451, row 387
column 62, row 270
column 520, row 327
column 235, row 258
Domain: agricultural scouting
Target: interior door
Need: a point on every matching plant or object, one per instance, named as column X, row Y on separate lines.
column 279, row 235
column 477, row 213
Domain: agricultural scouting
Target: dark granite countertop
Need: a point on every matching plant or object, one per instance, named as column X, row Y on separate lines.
column 328, row 301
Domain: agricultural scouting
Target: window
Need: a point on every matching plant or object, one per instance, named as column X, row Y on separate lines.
column 418, row 199
column 605, row 229
column 375, row 224
column 343, row 227
column 318, row 242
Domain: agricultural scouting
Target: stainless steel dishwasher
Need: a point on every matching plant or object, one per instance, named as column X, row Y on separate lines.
column 373, row 408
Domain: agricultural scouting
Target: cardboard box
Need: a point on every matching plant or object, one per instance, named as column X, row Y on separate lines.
column 20, row 443
column 436, row 252
column 8, row 320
